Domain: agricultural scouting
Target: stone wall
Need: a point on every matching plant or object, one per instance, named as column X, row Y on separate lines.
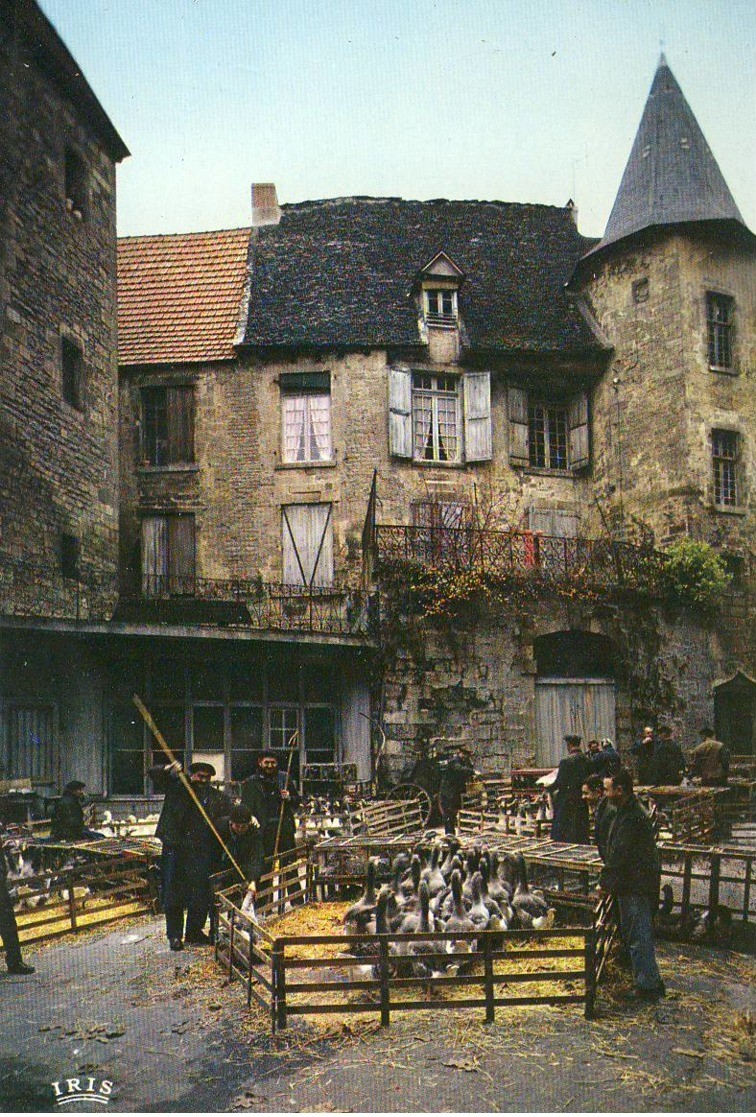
column 477, row 681
column 58, row 462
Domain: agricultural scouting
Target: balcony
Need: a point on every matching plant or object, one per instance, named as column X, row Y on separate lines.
column 249, row 603
column 599, row 563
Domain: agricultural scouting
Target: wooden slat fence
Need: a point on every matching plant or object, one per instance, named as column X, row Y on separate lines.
column 80, row 898
column 277, row 976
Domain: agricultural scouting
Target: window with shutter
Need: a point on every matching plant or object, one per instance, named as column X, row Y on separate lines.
column 307, row 537
column 400, row 412
column 519, row 442
column 579, row 437
column 477, row 408
column 548, row 434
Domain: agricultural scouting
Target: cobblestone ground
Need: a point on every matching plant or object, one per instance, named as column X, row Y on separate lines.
column 172, row 1036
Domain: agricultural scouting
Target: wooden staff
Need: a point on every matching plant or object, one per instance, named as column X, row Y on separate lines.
column 182, row 776
column 292, row 744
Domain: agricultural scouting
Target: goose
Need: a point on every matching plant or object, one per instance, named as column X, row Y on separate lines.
column 497, row 890
column 365, row 906
column 478, row 912
column 446, row 867
column 433, row 876
column 458, row 920
column 418, row 951
column 713, row 926
column 530, row 907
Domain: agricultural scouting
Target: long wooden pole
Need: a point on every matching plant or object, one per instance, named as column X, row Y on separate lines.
column 292, row 745
column 182, row 776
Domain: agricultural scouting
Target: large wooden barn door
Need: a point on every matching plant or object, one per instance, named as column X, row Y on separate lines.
column 582, row 706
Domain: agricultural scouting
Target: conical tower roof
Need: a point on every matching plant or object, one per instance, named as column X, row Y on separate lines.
column 671, row 175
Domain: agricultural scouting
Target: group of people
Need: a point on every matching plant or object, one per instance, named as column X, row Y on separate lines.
column 659, row 760
column 252, row 833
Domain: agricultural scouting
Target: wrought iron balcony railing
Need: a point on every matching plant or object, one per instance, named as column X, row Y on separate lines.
column 33, row 590
column 252, row 603
column 547, row 559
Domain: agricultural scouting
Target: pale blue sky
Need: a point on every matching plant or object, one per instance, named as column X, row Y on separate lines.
column 520, row 100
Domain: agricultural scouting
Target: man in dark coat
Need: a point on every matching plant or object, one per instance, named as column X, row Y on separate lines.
column 601, row 809
column 241, row 836
column 670, row 763
column 67, row 822
column 455, row 772
column 8, row 928
column 570, row 822
column 271, row 800
column 190, row 849
column 605, row 760
column 631, row 873
column 645, row 754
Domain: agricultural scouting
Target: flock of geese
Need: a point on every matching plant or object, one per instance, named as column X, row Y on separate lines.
column 482, row 892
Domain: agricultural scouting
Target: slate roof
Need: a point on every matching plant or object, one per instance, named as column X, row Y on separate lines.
column 340, row 273
column 671, row 176
column 180, row 296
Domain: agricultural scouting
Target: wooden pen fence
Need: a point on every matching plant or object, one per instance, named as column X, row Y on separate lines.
column 80, row 898
column 302, row 975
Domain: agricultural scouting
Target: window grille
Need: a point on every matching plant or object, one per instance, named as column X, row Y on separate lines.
column 724, row 451
column 719, row 320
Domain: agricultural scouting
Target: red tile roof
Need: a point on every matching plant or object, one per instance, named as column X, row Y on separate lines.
column 180, row 296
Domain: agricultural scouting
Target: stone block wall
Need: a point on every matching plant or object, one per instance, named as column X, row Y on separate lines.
column 58, row 462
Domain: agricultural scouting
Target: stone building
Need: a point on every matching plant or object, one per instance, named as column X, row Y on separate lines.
column 58, row 405
column 365, row 465
column 439, row 394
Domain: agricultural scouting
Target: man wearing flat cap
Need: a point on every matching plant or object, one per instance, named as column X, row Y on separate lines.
column 570, row 822
column 67, row 822
column 190, row 849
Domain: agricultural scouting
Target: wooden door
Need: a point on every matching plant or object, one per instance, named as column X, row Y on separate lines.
column 582, row 706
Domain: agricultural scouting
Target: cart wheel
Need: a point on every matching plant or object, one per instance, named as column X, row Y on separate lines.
column 412, row 792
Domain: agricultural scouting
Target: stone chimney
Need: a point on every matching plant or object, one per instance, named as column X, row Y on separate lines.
column 265, row 207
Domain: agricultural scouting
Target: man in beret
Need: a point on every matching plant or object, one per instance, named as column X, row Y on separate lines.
column 570, row 822
column 272, row 800
column 190, row 849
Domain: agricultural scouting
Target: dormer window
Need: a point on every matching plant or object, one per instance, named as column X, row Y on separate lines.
column 438, row 283
column 440, row 306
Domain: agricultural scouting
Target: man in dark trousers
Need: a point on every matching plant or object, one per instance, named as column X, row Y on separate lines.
column 570, row 822
column 67, row 822
column 632, row 873
column 455, row 772
column 271, row 800
column 190, row 849
column 8, row 928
